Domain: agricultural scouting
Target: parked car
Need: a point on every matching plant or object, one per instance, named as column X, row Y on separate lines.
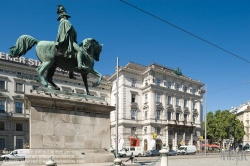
column 186, row 150
column 153, row 153
column 172, row 153
column 136, row 150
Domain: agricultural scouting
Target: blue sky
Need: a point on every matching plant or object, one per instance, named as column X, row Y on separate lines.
column 132, row 35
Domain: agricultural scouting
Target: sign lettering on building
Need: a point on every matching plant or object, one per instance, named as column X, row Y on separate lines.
column 26, row 61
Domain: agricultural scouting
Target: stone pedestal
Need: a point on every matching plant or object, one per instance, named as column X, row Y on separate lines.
column 72, row 130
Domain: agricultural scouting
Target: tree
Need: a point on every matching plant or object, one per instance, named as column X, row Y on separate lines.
column 223, row 125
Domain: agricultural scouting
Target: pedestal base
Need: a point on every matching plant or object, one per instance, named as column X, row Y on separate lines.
column 68, row 156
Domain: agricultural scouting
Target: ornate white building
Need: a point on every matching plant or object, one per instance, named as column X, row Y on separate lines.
column 153, row 100
column 243, row 114
column 17, row 77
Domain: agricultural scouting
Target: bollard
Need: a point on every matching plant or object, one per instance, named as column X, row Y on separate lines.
column 164, row 158
column 117, row 162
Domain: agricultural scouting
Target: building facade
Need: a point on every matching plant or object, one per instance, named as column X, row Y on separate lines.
column 156, row 104
column 17, row 77
column 243, row 114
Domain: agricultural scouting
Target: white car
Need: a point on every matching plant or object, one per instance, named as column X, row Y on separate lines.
column 18, row 154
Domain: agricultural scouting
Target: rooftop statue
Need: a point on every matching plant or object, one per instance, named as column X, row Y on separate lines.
column 65, row 53
column 178, row 71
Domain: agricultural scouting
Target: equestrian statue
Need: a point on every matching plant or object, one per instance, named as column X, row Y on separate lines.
column 65, row 53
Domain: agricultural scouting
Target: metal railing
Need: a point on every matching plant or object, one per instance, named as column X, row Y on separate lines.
column 157, row 160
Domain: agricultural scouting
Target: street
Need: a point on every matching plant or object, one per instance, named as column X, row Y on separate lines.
column 180, row 160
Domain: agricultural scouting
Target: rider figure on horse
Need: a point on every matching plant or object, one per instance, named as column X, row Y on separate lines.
column 66, row 37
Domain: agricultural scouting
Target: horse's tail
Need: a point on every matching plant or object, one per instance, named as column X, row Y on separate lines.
column 23, row 44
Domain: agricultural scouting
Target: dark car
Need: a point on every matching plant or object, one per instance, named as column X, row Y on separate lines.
column 172, row 153
column 153, row 153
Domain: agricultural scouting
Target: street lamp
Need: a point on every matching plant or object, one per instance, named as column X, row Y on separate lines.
column 206, row 122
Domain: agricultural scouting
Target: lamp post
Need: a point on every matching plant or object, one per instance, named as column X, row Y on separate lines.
column 206, row 122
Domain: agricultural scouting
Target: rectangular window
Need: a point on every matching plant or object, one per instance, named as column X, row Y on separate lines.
column 133, row 114
column 185, row 117
column 133, row 83
column 158, row 98
column 19, row 87
column 185, row 89
column 19, row 143
column 2, row 143
column 146, row 83
column 194, row 105
column 18, row 107
column 177, row 101
column 177, row 86
column 132, row 98
column 133, row 130
column 1, row 125
column 2, row 106
column 194, row 119
column 169, row 115
column 169, row 85
column 194, row 90
column 158, row 82
column 158, row 130
column 169, row 100
column 2, row 85
column 146, row 114
column 19, row 127
column 177, row 116
column 146, row 98
column 185, row 103
column 158, row 114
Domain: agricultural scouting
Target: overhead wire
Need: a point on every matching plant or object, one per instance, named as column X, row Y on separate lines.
column 175, row 26
column 230, row 87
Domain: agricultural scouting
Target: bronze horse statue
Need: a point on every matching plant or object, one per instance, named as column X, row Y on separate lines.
column 46, row 53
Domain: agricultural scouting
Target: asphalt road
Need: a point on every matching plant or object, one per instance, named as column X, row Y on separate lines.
column 179, row 160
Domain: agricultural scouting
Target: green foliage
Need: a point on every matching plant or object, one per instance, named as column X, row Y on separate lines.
column 223, row 125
